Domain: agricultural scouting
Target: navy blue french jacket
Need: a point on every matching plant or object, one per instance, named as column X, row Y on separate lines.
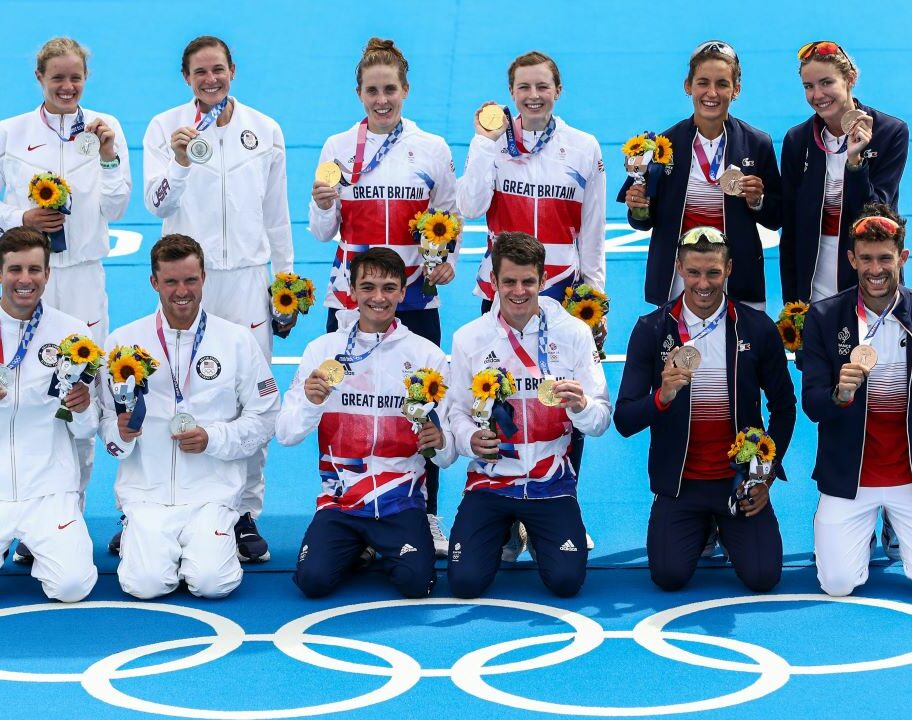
column 803, row 183
column 830, row 333
column 752, row 152
column 755, row 361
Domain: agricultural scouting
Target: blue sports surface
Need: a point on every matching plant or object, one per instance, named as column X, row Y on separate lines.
column 621, row 648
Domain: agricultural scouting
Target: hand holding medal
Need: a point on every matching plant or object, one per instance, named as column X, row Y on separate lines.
column 322, row 380
column 859, row 128
column 490, row 120
column 675, row 375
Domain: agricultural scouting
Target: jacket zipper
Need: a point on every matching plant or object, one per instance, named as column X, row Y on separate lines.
column 687, row 442
column 820, row 230
column 681, row 221
column 374, row 438
column 61, row 147
column 174, row 442
column 13, row 422
column 224, row 204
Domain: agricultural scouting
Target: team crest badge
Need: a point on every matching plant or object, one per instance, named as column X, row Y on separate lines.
column 208, row 367
column 249, row 140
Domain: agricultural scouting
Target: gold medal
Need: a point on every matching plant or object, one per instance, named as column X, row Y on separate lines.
column 731, row 181
column 849, row 119
column 688, row 357
column 546, row 393
column 491, row 117
column 329, row 173
column 334, row 371
column 864, row 355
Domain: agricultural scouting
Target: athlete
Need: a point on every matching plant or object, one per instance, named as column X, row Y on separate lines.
column 392, row 170
column 89, row 151
column 694, row 414
column 373, row 476
column 690, row 194
column 533, row 481
column 855, row 386
column 39, row 472
column 211, row 404
column 235, row 203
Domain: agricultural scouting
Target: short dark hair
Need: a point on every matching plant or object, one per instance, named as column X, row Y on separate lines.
column 197, row 44
column 383, row 261
column 175, row 247
column 24, row 238
column 520, row 249
column 873, row 232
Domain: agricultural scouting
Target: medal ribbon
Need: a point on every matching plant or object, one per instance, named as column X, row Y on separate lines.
column 26, row 338
column 356, row 172
column 865, row 335
column 347, row 358
column 684, row 333
column 204, row 121
column 710, row 170
column 536, row 371
column 77, row 127
column 818, row 138
column 200, row 331
column 515, row 144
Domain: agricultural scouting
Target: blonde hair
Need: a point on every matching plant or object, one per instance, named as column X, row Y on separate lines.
column 844, row 65
column 59, row 46
column 383, row 52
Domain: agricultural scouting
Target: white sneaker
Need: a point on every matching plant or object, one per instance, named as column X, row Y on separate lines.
column 590, row 543
column 888, row 539
column 441, row 543
column 517, row 544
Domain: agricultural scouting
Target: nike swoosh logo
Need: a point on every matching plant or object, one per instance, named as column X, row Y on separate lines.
column 35, row 147
column 91, row 324
column 247, row 535
column 63, row 527
column 221, row 534
column 254, row 326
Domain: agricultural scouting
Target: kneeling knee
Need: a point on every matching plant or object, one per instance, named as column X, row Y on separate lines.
column 412, row 583
column 669, row 579
column 313, row 584
column 72, row 589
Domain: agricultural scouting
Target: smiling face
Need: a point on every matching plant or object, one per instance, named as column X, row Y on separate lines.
column 827, row 91
column 377, row 295
column 517, row 287
column 179, row 284
column 24, row 275
column 878, row 265
column 62, row 83
column 712, row 90
column 209, row 75
column 704, row 275
column 534, row 91
column 382, row 94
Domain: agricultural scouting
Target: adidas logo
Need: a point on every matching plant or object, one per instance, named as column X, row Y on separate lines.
column 303, row 553
column 491, row 358
column 407, row 549
column 568, row 547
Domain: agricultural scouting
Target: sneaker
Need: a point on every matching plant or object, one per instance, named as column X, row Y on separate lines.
column 251, row 547
column 114, row 545
column 517, row 544
column 590, row 543
column 441, row 543
column 710, row 548
column 22, row 555
column 365, row 559
column 888, row 538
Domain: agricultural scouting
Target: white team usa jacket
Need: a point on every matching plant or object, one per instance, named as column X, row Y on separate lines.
column 369, row 460
column 415, row 174
column 556, row 195
column 534, row 462
column 37, row 452
column 231, row 393
column 235, row 205
column 28, row 146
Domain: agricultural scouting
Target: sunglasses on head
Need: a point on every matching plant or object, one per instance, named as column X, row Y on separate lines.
column 821, row 48
column 860, row 227
column 716, row 46
column 694, row 235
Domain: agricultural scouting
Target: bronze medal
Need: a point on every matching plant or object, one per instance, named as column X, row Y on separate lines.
column 864, row 355
column 849, row 119
column 334, row 371
column 730, row 181
column 688, row 357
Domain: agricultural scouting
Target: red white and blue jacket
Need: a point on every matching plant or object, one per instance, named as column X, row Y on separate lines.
column 755, row 361
column 369, row 459
column 830, row 332
column 415, row 174
column 535, row 460
column 803, row 184
column 556, row 195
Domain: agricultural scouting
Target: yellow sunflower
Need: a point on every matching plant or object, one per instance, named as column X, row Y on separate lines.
column 485, row 385
column 791, row 338
column 739, row 443
column 284, row 301
column 589, row 311
column 766, row 449
column 123, row 367
column 413, row 223
column 433, row 385
column 662, row 152
column 634, row 146
column 46, row 194
column 286, row 277
column 795, row 308
column 440, row 228
column 512, row 381
column 83, row 350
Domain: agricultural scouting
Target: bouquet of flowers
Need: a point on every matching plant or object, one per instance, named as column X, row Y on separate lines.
column 752, row 456
column 645, row 154
column 423, row 390
column 49, row 190
column 791, row 325
column 130, row 367
column 77, row 361
column 435, row 231
column 591, row 306
column 291, row 294
column 491, row 387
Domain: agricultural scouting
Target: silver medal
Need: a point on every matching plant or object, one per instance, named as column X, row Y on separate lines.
column 198, row 150
column 182, row 422
column 6, row 376
column 87, row 144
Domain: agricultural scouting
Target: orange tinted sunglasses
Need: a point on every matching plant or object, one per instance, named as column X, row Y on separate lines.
column 820, row 47
column 859, row 227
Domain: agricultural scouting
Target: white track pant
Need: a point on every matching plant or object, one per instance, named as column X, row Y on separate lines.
column 164, row 544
